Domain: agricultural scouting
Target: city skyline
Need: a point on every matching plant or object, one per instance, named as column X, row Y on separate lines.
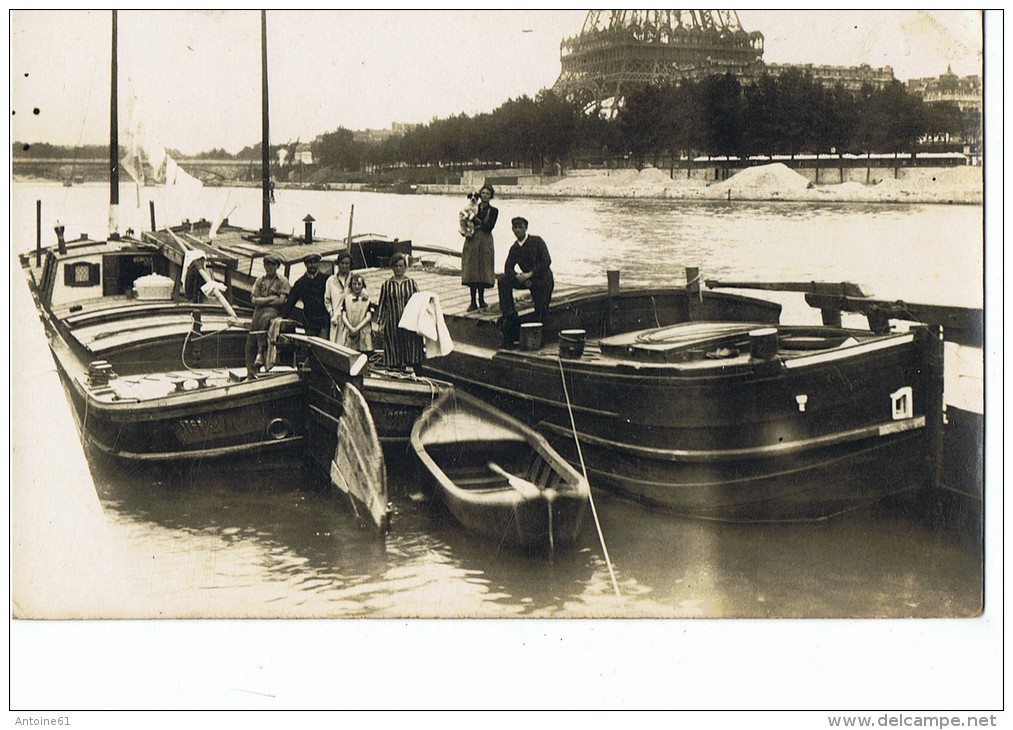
column 194, row 76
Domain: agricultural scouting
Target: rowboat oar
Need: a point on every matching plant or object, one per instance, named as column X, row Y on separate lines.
column 530, row 491
column 526, row 488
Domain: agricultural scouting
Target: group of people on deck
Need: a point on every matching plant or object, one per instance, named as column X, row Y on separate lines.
column 338, row 307
column 335, row 307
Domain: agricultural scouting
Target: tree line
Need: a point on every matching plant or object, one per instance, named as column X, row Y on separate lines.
column 787, row 114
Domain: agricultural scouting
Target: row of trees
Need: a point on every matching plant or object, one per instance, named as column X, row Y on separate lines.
column 786, row 114
column 789, row 114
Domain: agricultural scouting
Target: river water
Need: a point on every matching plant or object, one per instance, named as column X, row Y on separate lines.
column 266, row 542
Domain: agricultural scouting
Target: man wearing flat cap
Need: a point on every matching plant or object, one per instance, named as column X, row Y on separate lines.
column 309, row 289
column 269, row 294
column 530, row 254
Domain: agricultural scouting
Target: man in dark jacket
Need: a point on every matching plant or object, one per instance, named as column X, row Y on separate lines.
column 309, row 289
column 530, row 254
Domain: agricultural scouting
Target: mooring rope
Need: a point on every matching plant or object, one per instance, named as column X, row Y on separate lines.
column 590, row 498
column 202, row 336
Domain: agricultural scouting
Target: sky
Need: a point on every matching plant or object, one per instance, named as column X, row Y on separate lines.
column 194, row 76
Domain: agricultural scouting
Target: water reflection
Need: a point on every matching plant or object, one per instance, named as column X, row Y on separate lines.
column 283, row 536
column 873, row 562
column 278, row 542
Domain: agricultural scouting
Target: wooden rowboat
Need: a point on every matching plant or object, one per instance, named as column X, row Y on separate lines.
column 498, row 477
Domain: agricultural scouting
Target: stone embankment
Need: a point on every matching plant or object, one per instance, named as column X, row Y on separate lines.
column 766, row 182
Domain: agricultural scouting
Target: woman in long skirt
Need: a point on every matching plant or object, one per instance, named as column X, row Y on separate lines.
column 479, row 253
column 402, row 349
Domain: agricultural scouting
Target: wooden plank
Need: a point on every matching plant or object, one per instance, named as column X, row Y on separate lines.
column 843, row 288
column 358, row 468
column 961, row 325
column 330, row 354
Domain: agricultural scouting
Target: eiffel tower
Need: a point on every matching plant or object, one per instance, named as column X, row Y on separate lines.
column 618, row 49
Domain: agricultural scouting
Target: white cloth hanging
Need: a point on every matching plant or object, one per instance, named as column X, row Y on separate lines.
column 191, row 257
column 423, row 314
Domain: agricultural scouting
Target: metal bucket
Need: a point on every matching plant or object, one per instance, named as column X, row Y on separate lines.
column 571, row 343
column 763, row 343
column 531, row 336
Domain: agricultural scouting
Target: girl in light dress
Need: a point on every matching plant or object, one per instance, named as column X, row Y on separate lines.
column 357, row 321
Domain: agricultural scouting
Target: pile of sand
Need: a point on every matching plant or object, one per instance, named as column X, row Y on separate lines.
column 652, row 175
column 773, row 178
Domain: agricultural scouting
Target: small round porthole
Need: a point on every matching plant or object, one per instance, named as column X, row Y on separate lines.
column 279, row 429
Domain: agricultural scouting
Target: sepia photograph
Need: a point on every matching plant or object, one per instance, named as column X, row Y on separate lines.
column 344, row 329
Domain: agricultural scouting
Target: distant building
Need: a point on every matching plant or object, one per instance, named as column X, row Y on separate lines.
column 303, row 154
column 401, row 128
column 964, row 92
column 397, row 129
column 371, row 135
column 852, row 78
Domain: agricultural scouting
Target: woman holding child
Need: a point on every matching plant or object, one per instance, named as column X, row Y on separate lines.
column 479, row 253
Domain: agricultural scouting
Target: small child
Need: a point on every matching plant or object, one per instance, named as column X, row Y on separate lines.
column 357, row 332
column 466, row 218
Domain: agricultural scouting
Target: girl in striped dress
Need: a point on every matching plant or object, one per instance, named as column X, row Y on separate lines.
column 402, row 349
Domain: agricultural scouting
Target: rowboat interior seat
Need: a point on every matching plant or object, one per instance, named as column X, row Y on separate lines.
column 541, row 474
column 468, row 463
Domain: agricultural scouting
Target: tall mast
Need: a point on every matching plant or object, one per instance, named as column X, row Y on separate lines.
column 265, row 230
column 114, row 147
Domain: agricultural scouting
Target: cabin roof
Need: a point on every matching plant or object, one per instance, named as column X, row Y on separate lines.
column 241, row 243
column 291, row 253
column 88, row 247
